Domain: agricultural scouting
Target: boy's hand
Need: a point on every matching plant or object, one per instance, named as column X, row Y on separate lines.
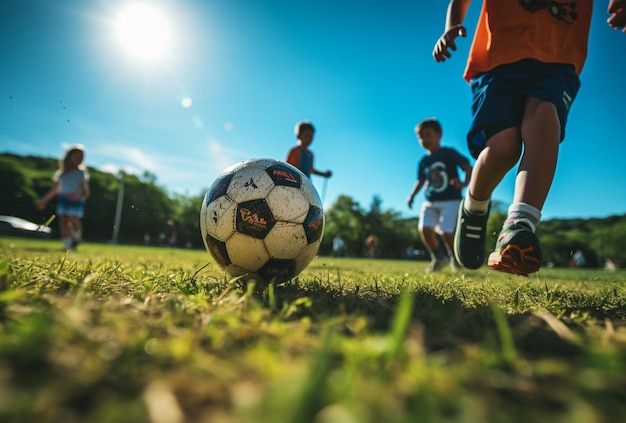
column 617, row 10
column 456, row 184
column 446, row 42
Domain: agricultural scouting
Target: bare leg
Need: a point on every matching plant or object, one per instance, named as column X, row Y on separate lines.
column 501, row 153
column 64, row 227
column 75, row 228
column 429, row 238
column 518, row 250
column 503, row 150
column 449, row 241
column 541, row 131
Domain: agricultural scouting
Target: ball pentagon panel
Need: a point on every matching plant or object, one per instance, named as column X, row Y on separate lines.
column 286, row 240
column 247, row 252
column 218, row 218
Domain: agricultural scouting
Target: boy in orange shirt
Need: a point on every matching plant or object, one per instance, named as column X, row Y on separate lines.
column 301, row 156
column 523, row 68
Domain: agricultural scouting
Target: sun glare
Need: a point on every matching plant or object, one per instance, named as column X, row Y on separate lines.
column 143, row 32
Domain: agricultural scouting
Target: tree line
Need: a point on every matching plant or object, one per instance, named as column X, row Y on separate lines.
column 146, row 207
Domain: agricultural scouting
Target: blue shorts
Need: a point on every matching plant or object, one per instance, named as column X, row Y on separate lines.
column 67, row 207
column 500, row 96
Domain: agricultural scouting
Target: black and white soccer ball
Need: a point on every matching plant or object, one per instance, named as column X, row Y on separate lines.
column 262, row 219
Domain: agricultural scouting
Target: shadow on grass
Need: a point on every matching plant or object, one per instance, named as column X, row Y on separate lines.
column 447, row 322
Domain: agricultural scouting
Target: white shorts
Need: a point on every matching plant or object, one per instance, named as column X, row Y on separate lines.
column 440, row 215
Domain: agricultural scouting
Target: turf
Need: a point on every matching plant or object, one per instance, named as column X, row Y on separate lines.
column 114, row 333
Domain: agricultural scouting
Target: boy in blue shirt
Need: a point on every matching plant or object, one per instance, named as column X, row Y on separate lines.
column 438, row 171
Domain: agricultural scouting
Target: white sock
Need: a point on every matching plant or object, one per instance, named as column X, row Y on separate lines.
column 476, row 206
column 530, row 214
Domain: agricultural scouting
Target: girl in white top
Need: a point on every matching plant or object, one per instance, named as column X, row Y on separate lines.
column 71, row 189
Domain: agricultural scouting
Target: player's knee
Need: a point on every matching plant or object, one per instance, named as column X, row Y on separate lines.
column 503, row 151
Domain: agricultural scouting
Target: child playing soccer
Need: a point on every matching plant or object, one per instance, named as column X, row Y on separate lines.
column 523, row 68
column 71, row 188
column 438, row 171
column 300, row 156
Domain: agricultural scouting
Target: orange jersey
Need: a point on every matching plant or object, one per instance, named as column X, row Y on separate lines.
column 554, row 32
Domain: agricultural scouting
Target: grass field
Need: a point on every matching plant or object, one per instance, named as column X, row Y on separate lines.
column 140, row 334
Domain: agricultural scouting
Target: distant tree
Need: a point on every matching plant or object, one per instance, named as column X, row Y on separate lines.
column 145, row 211
column 187, row 217
column 17, row 194
column 100, row 206
column 610, row 243
column 393, row 233
column 397, row 234
column 345, row 217
column 149, row 178
column 562, row 238
column 146, row 208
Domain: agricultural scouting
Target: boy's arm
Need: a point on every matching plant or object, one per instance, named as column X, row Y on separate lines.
column 456, row 182
column 418, row 186
column 617, row 10
column 457, row 9
column 326, row 174
column 467, row 168
column 314, row 171
column 49, row 196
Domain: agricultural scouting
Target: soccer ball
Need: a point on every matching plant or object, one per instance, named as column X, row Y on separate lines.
column 262, row 219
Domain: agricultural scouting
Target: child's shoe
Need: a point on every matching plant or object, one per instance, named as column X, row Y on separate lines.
column 518, row 250
column 469, row 238
column 437, row 264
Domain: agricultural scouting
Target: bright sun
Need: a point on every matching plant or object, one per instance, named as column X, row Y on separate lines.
column 144, row 32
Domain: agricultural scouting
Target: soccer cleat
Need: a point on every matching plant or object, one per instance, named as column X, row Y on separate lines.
column 437, row 265
column 469, row 238
column 518, row 250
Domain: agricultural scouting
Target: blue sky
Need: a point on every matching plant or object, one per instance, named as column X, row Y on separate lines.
column 240, row 73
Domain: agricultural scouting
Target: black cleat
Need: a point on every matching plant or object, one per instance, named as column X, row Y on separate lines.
column 469, row 238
